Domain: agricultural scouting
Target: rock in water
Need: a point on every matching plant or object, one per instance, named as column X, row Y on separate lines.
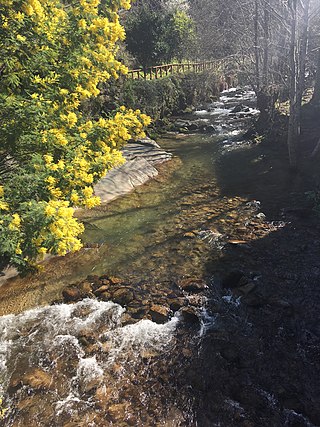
column 38, row 379
column 123, row 296
column 234, row 279
column 159, row 313
column 71, row 293
column 192, row 285
column 189, row 315
column 141, row 158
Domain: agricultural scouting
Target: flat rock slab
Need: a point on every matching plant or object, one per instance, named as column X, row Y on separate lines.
column 141, row 158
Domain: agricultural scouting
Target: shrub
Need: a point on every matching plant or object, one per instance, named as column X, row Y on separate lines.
column 53, row 57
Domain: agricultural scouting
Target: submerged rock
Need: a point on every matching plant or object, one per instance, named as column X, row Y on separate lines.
column 123, row 296
column 105, row 296
column 102, row 289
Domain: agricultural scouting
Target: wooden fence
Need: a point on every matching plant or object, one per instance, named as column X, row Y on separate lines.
column 160, row 71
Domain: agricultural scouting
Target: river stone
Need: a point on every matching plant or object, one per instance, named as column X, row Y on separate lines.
column 189, row 315
column 85, row 288
column 177, row 303
column 234, row 279
column 240, row 108
column 189, row 235
column 86, row 337
column 115, row 280
column 105, row 296
column 103, row 396
column 192, row 285
column 193, row 126
column 210, row 129
column 102, row 289
column 25, row 404
column 137, row 312
column 71, row 294
column 197, row 300
column 117, row 411
column 38, row 379
column 246, row 289
column 123, row 296
column 159, row 313
column 237, row 242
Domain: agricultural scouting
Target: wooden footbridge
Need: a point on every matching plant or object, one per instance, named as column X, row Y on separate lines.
column 224, row 66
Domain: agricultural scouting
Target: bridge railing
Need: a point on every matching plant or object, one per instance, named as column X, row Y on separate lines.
column 160, row 71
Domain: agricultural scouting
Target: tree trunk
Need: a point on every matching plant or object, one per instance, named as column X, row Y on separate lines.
column 293, row 126
column 256, row 46
column 302, row 58
column 298, row 52
column 265, row 76
column 316, row 93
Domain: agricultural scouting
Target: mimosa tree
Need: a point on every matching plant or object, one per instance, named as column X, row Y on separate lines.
column 53, row 55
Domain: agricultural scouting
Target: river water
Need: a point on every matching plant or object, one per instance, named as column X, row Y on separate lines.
column 82, row 364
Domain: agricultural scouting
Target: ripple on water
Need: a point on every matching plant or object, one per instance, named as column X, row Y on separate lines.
column 46, row 352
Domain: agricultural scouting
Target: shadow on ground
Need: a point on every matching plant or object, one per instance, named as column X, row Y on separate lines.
column 259, row 361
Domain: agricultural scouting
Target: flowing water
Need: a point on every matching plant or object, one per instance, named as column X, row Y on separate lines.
column 81, row 364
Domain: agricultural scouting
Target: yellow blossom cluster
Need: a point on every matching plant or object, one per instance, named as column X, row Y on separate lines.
column 3, row 204
column 63, row 228
column 2, row 409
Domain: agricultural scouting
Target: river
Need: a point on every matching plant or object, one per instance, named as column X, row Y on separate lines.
column 99, row 363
